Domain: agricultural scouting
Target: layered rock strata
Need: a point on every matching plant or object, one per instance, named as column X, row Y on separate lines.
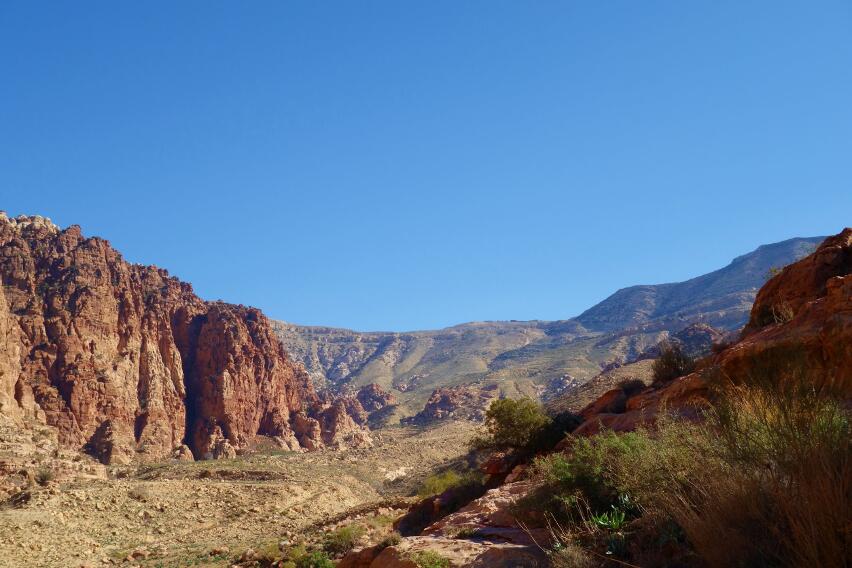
column 127, row 362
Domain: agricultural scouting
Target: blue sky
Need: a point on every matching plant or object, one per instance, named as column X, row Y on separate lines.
column 411, row 165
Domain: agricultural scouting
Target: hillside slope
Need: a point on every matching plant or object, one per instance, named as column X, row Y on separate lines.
column 530, row 357
column 721, row 298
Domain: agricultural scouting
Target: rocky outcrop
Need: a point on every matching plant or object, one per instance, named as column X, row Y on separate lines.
column 126, row 361
column 466, row 402
column 801, row 322
column 373, row 397
column 804, row 312
column 695, row 340
column 482, row 533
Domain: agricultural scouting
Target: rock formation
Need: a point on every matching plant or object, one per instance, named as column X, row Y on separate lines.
column 801, row 319
column 467, row 402
column 127, row 362
column 804, row 311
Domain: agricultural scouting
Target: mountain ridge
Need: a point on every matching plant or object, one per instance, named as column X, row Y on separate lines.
column 525, row 356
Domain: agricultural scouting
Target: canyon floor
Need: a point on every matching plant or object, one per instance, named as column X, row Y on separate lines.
column 207, row 513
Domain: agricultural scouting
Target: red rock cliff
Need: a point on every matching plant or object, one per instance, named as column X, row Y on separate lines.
column 127, row 361
column 805, row 310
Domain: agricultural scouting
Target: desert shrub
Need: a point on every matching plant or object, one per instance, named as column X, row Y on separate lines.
column 631, row 387
column 672, row 363
column 466, row 532
column 430, row 509
column 379, row 522
column 765, row 482
column 523, row 426
column 515, row 423
column 570, row 555
column 429, row 559
column 437, row 483
column 582, row 477
column 316, row 559
column 44, row 476
column 392, row 539
column 292, row 555
column 780, row 312
column 342, row 540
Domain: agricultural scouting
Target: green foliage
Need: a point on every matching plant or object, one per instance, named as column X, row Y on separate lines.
column 559, row 427
column 466, row 532
column 429, row 559
column 582, row 477
column 764, row 482
column 343, row 539
column 570, row 555
column 672, row 363
column 392, row 539
column 439, row 482
column 515, row 423
column 523, row 426
column 611, row 520
column 314, row 560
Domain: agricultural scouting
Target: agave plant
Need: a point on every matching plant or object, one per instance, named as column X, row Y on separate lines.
column 612, row 520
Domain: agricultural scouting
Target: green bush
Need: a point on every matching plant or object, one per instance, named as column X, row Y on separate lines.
column 515, row 423
column 672, row 363
column 429, row 559
column 582, row 477
column 522, row 425
column 314, row 560
column 764, row 482
column 570, row 555
column 392, row 539
column 342, row 540
column 780, row 312
column 437, row 483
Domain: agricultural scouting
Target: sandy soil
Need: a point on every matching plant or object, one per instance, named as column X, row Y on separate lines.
column 185, row 513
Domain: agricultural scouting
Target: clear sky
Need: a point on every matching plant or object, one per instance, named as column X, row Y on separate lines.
column 409, row 165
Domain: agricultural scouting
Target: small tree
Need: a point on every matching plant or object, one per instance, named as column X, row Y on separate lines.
column 673, row 363
column 515, row 423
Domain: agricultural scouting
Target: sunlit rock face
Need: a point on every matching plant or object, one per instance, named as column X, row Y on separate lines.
column 126, row 361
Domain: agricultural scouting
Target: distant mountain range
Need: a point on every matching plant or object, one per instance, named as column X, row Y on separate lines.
column 721, row 298
column 534, row 356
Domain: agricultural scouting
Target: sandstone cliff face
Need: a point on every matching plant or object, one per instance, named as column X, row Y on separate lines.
column 804, row 311
column 126, row 361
